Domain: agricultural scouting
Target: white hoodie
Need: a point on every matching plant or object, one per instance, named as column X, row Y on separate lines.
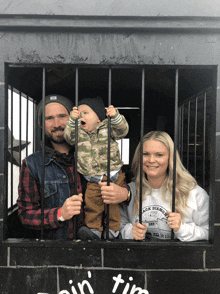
column 195, row 225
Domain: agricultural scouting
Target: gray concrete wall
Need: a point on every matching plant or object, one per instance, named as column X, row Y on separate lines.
column 113, row 7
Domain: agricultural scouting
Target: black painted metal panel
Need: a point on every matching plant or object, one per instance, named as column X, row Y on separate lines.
column 79, row 256
column 28, row 280
column 182, row 282
column 164, row 258
column 213, row 256
column 3, row 255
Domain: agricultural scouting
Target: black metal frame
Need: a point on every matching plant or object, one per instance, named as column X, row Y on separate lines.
column 177, row 139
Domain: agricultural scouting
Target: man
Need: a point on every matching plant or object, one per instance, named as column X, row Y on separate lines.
column 60, row 203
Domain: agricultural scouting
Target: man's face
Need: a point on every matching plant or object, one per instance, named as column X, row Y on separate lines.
column 56, row 116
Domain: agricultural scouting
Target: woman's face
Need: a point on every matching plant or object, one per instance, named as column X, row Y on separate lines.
column 155, row 160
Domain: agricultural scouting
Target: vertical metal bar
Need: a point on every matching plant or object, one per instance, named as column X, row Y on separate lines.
column 182, row 134
column 109, row 125
column 12, row 131
column 34, row 127
column 20, row 126
column 204, row 140
column 180, row 137
column 108, row 152
column 75, row 218
column 175, row 143
column 188, row 131
column 76, row 129
column 121, row 149
column 141, row 143
column 195, row 137
column 5, row 199
column 179, row 129
column 27, row 118
column 43, row 152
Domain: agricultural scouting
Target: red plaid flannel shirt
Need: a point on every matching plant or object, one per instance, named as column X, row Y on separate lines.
column 29, row 208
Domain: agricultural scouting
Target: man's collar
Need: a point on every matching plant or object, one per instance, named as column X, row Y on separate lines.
column 50, row 149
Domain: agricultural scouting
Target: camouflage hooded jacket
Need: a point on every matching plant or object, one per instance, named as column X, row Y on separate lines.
column 93, row 147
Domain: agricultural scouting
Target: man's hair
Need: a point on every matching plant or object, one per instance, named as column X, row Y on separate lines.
column 67, row 103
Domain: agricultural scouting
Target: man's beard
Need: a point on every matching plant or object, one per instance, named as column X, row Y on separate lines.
column 59, row 139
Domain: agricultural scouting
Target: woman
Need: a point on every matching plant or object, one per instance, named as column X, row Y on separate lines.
column 191, row 217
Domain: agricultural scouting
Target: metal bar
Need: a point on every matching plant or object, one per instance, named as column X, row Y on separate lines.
column 75, row 217
column 188, row 131
column 76, row 129
column 108, row 152
column 34, row 127
column 20, row 125
column 175, row 143
column 204, row 139
column 141, row 144
column 180, row 137
column 27, row 126
column 43, row 152
column 6, row 139
column 121, row 149
column 195, row 136
column 12, row 130
column 182, row 133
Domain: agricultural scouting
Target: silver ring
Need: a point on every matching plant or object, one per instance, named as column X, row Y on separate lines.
column 171, row 223
column 104, row 197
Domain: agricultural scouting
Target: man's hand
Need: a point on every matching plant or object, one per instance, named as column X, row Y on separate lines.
column 139, row 231
column 71, row 206
column 113, row 194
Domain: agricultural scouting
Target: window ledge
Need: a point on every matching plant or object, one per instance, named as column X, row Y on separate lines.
column 12, row 242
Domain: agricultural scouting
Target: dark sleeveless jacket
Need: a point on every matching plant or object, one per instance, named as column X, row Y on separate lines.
column 56, row 186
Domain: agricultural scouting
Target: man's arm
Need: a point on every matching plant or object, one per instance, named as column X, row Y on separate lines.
column 29, row 209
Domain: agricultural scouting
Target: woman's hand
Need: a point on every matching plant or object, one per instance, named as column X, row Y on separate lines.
column 174, row 220
column 139, row 231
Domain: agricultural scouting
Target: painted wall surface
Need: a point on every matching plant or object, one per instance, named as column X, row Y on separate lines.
column 113, row 7
column 33, row 267
column 112, row 48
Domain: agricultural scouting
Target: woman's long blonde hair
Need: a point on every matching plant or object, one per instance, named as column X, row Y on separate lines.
column 184, row 181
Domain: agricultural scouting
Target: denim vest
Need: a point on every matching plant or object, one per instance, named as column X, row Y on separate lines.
column 56, row 186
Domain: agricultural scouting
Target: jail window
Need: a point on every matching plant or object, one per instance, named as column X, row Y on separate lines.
column 21, row 116
column 179, row 101
column 195, row 136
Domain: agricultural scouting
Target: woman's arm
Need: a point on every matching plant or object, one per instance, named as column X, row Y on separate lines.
column 197, row 226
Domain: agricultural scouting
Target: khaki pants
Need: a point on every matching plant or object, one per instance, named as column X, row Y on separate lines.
column 95, row 209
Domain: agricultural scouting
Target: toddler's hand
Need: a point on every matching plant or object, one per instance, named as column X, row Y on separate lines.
column 111, row 111
column 75, row 112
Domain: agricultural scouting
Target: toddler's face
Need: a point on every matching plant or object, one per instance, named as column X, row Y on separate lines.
column 89, row 119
